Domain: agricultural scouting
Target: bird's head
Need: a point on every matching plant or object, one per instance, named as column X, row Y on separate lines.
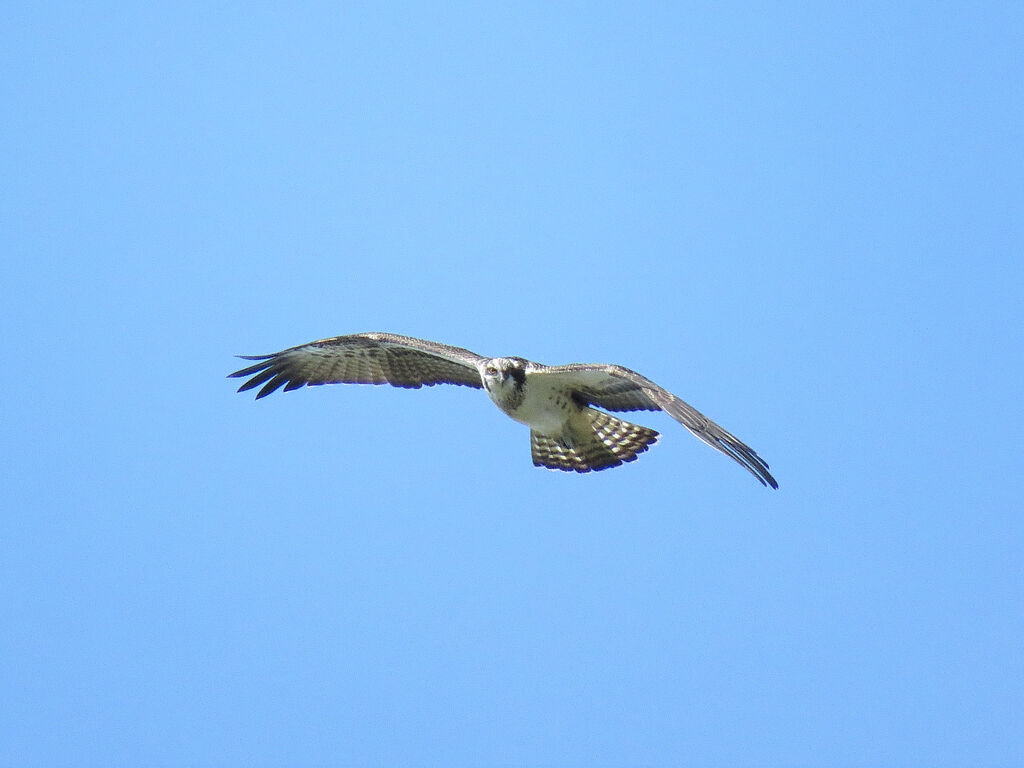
column 503, row 373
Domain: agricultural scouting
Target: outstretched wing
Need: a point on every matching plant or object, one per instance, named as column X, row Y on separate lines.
column 363, row 358
column 619, row 389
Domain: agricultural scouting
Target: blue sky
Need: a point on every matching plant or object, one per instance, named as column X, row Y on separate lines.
column 804, row 219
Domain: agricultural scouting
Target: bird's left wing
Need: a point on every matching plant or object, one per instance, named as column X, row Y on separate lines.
column 619, row 389
column 363, row 358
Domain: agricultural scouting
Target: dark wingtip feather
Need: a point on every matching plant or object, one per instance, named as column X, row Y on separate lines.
column 252, row 368
column 759, row 469
column 263, row 372
column 273, row 385
column 743, row 455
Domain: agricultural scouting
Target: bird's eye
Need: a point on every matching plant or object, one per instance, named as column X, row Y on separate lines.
column 490, row 370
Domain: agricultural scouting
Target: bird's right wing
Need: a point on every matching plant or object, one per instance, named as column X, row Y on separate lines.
column 363, row 358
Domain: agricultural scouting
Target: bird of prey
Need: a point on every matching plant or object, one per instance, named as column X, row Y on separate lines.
column 559, row 403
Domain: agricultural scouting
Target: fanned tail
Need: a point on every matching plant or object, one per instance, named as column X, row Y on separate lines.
column 597, row 442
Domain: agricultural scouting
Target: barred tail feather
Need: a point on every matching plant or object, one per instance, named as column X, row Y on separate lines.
column 600, row 441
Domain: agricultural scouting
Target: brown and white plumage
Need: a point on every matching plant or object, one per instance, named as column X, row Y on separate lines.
column 559, row 403
column 363, row 358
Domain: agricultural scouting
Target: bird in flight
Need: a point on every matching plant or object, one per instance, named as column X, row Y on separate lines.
column 559, row 403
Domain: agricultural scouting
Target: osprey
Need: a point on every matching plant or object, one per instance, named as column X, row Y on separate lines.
column 557, row 402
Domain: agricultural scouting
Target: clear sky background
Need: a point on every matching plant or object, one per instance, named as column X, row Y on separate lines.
column 804, row 219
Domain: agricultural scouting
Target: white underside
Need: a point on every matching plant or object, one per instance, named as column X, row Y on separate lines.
column 546, row 407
